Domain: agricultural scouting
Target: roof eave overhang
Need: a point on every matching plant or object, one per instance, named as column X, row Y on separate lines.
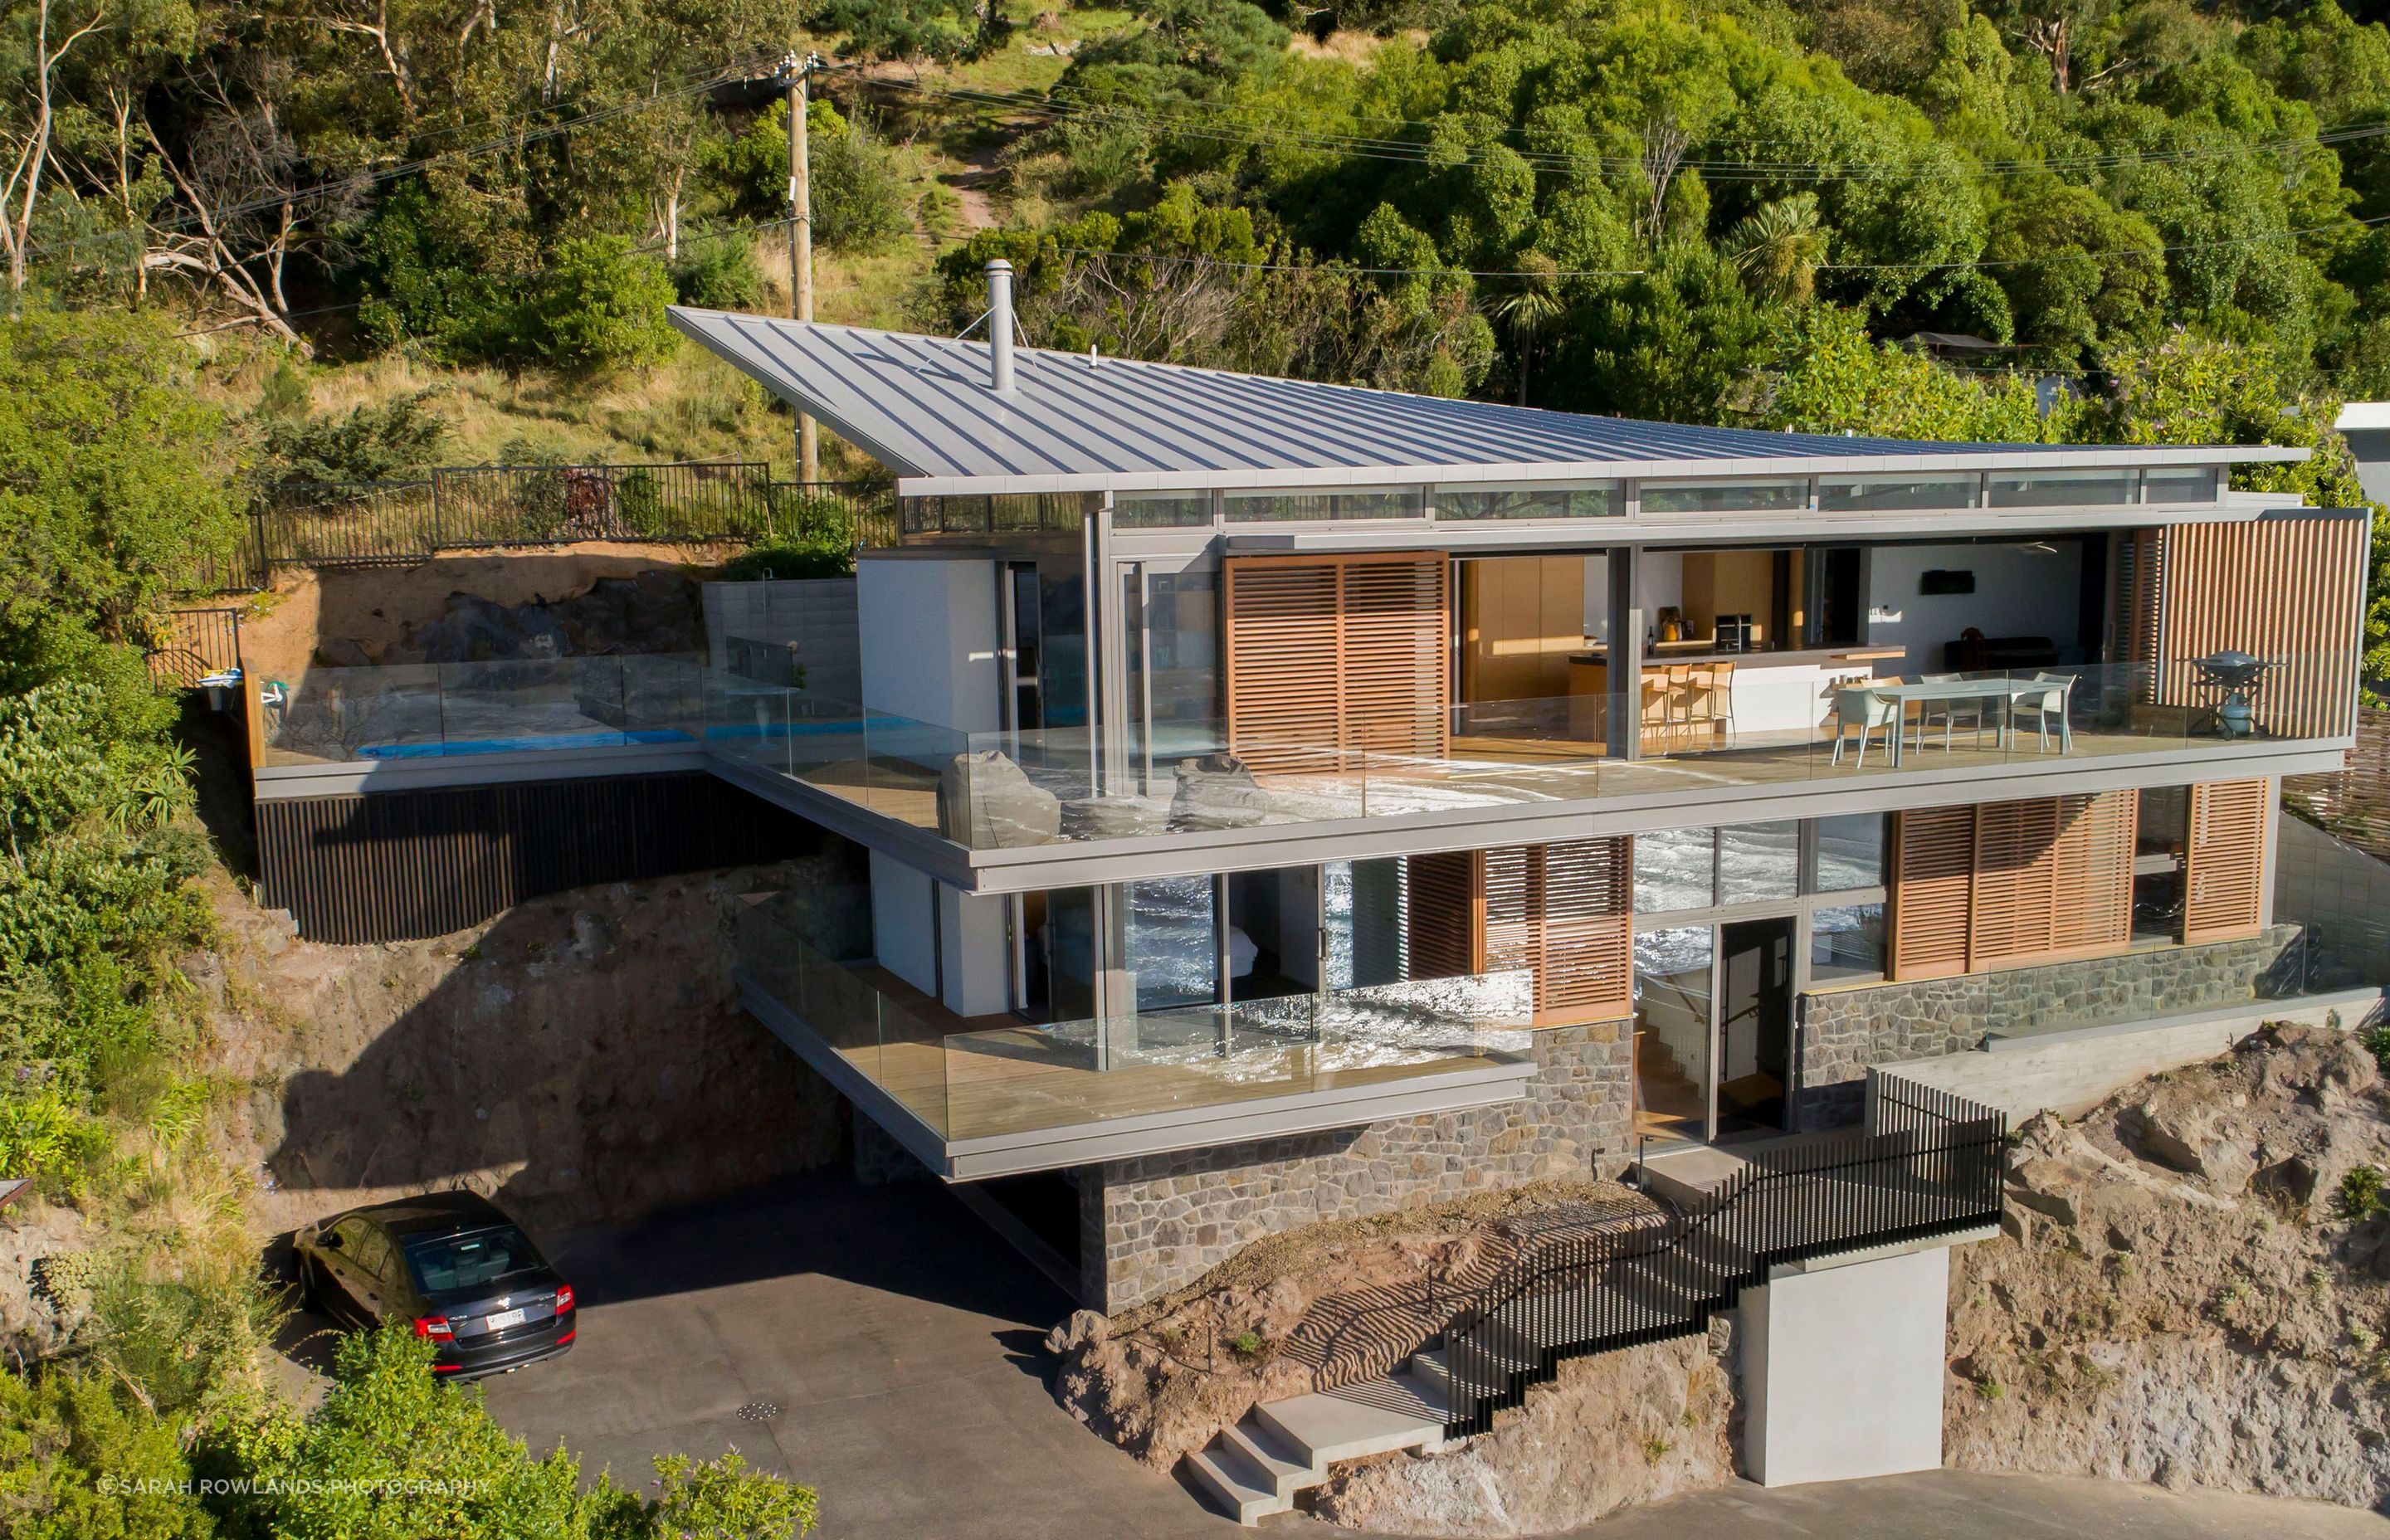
column 2070, row 457
column 837, row 422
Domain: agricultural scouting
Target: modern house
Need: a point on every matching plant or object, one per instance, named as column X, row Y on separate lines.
column 1289, row 801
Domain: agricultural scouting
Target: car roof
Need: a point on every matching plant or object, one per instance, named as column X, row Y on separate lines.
column 432, row 1213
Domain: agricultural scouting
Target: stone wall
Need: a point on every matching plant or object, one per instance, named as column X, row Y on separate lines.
column 1843, row 1031
column 1158, row 1222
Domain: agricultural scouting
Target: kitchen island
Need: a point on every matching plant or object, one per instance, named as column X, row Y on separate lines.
column 1776, row 693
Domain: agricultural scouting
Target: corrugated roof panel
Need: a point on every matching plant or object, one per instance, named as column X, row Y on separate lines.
column 922, row 406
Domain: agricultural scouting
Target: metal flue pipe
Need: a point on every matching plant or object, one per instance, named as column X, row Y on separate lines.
column 1000, row 326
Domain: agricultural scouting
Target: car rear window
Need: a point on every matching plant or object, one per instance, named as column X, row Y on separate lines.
column 442, row 1263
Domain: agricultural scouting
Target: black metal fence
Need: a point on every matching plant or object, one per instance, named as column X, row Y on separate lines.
column 187, row 646
column 491, row 507
column 1928, row 1163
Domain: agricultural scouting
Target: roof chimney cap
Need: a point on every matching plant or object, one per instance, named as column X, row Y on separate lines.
column 1000, row 326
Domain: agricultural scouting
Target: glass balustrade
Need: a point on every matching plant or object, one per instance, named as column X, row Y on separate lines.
column 967, row 1081
column 1693, row 728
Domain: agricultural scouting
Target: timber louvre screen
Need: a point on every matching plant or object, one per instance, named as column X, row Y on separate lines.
column 2194, row 590
column 1330, row 655
column 2224, row 864
column 2006, row 884
column 1560, row 910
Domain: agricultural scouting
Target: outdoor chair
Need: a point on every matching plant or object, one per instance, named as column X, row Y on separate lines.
column 1867, row 711
column 986, row 800
column 1217, row 791
column 1948, row 714
column 2050, row 695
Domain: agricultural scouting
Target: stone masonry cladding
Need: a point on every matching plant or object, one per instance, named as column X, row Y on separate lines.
column 1843, row 1031
column 1156, row 1223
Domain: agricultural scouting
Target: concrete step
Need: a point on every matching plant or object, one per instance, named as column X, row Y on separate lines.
column 1237, row 1487
column 1373, row 1418
column 1273, row 1457
column 1434, row 1374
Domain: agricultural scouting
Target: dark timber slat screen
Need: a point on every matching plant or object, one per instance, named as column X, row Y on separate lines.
column 401, row 865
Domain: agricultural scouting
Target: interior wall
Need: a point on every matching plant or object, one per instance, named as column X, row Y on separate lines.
column 1520, row 619
column 2018, row 593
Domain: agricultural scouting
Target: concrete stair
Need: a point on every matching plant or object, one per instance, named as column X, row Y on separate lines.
column 1286, row 1447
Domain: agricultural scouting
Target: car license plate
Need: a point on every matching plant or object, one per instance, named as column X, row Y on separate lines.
column 502, row 1320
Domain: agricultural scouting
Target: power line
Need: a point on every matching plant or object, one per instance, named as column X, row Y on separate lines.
column 1413, row 151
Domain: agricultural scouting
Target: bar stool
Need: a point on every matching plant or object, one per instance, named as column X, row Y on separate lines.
column 1679, row 702
column 1652, row 714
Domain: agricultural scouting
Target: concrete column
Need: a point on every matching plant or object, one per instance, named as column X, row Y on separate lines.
column 1843, row 1369
column 1622, row 733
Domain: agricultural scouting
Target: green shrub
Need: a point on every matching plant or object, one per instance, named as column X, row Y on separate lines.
column 788, row 559
column 394, row 1455
column 718, row 271
column 858, row 196
column 599, row 304
column 639, row 501
column 44, row 1135
column 2377, row 1042
column 2360, row 1195
column 374, row 441
column 1246, row 1344
column 80, row 1456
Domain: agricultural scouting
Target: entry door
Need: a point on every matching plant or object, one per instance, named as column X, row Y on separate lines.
column 1755, row 1043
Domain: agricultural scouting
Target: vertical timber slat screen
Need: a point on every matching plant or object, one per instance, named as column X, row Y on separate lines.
column 1562, row 911
column 1330, row 655
column 1932, row 888
column 401, row 865
column 2224, row 865
column 2289, row 589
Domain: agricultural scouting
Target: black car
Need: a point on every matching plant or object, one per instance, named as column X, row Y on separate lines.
column 451, row 1265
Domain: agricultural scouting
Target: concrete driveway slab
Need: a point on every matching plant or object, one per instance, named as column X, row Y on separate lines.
column 883, row 1346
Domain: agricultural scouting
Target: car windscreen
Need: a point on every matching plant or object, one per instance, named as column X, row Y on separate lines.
column 444, row 1264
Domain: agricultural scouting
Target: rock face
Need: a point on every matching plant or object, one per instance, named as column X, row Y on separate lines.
column 581, row 1056
column 656, row 611
column 2181, row 1296
column 1613, row 1431
column 1310, row 1310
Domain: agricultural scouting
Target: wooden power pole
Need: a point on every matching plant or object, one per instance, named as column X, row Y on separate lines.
column 800, row 242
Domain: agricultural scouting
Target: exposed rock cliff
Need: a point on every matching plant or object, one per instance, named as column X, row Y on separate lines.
column 2184, row 1296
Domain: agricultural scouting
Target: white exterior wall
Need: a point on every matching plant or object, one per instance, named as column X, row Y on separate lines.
column 2018, row 593
column 930, row 637
column 978, row 958
column 901, row 927
column 1842, row 1371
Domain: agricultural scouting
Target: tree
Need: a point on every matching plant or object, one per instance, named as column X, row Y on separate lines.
column 115, row 484
column 1530, row 308
column 1776, row 250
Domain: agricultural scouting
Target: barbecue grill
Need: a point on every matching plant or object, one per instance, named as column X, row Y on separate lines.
column 2227, row 683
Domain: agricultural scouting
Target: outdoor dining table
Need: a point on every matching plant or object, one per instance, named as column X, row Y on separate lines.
column 2004, row 691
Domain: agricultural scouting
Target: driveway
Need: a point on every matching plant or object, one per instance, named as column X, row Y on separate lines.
column 883, row 1345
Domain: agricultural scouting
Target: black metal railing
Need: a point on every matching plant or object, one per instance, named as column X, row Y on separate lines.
column 1926, row 1163
column 184, row 647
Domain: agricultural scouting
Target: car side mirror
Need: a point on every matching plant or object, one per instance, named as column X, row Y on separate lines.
column 332, row 1242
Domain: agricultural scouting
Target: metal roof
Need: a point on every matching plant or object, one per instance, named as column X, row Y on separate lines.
column 922, row 406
